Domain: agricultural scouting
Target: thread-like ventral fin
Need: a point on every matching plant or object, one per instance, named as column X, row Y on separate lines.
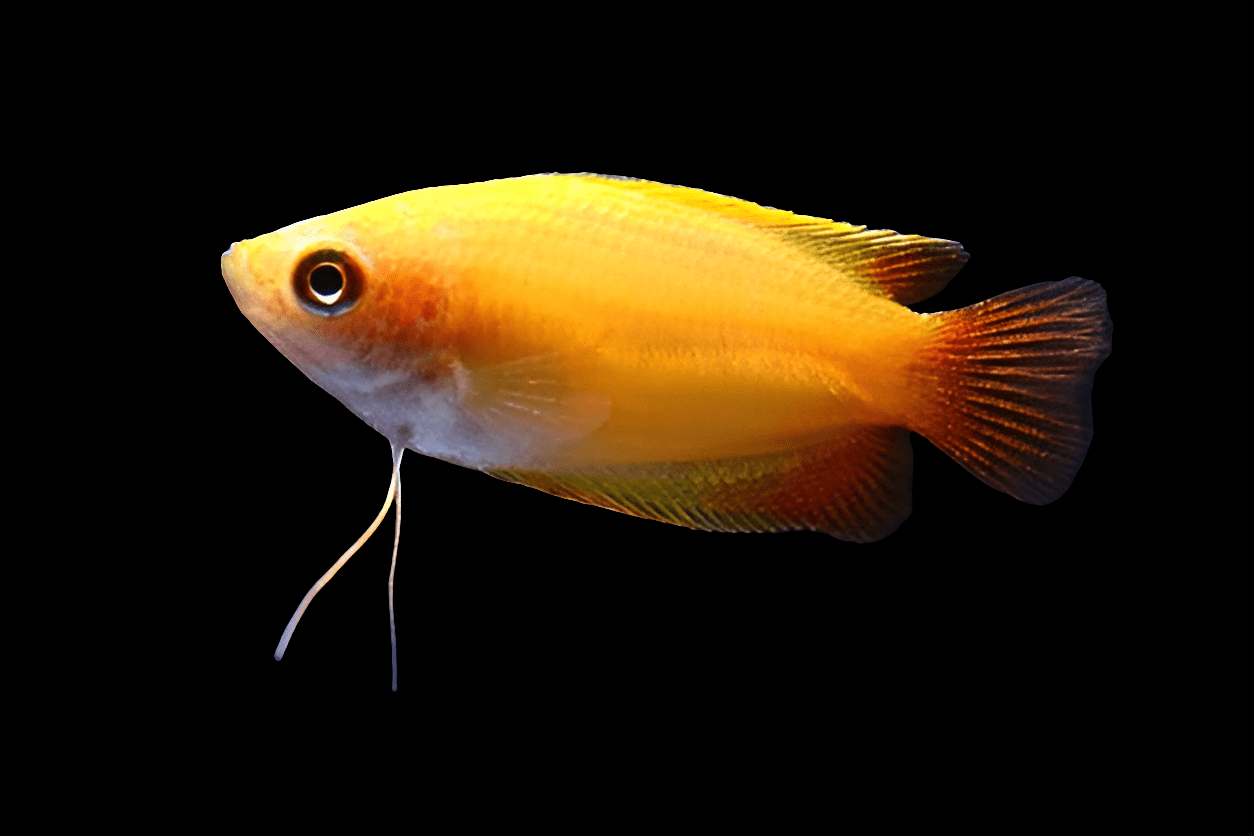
column 1006, row 388
column 352, row 550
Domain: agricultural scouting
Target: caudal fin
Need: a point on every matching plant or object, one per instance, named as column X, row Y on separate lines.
column 1006, row 388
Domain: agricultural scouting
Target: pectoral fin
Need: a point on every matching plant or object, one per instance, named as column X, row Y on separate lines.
column 538, row 404
column 855, row 487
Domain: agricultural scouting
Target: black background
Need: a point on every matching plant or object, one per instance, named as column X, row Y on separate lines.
column 512, row 602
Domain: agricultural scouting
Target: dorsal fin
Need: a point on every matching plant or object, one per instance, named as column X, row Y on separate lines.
column 905, row 268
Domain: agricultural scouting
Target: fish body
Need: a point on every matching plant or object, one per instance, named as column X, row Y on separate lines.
column 675, row 354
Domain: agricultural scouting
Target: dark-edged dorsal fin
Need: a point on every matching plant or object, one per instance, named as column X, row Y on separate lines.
column 905, row 268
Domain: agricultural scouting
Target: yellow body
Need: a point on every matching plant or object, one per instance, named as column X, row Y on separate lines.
column 675, row 354
column 669, row 329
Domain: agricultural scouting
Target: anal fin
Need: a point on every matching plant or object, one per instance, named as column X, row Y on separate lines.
column 855, row 487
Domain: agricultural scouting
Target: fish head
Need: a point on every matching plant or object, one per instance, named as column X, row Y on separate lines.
column 358, row 303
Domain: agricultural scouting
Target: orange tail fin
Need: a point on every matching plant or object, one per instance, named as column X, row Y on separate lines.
column 1006, row 388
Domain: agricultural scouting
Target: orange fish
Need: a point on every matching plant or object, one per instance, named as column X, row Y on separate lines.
column 672, row 353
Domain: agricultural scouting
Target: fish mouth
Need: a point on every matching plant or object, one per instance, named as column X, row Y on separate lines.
column 254, row 298
column 230, row 263
column 251, row 299
column 235, row 272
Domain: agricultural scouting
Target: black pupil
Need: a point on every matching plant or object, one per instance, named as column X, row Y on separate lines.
column 326, row 280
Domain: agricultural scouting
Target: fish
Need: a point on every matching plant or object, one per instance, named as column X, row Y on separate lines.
column 672, row 353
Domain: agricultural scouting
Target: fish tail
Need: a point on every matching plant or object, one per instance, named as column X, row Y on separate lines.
column 1006, row 387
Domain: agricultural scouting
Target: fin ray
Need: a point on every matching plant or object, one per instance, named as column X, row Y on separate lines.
column 1006, row 389
column 855, row 487
column 905, row 268
column 535, row 402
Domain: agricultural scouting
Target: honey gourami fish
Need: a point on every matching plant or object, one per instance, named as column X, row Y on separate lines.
column 674, row 354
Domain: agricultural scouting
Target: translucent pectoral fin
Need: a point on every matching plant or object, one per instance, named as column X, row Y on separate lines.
column 536, row 404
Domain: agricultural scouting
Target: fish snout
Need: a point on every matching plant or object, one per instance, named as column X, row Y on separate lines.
column 235, row 271
column 230, row 269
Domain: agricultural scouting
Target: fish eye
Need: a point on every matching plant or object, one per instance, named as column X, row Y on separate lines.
column 327, row 282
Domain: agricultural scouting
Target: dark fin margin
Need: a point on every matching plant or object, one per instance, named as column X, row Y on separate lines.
column 856, row 487
column 1006, row 389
